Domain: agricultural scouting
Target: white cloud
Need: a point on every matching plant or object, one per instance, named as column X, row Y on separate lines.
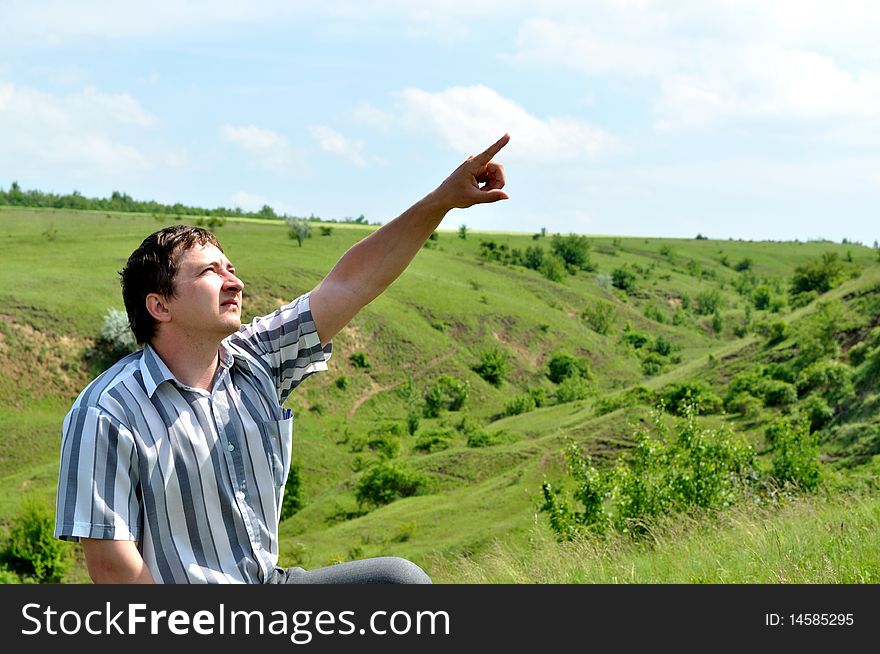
column 329, row 140
column 83, row 131
column 470, row 117
column 722, row 60
column 266, row 149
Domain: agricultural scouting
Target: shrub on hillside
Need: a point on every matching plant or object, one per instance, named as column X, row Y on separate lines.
column 446, row 394
column 599, row 316
column 359, row 360
column 708, row 302
column 553, row 268
column 696, row 397
column 293, row 500
column 817, row 411
column 574, row 250
column 572, row 389
column 624, row 279
column 385, row 482
column 635, row 338
column 816, row 276
column 776, row 332
column 795, row 452
column 493, row 366
column 653, row 364
column 563, row 365
column 30, row 549
column 778, row 393
column 744, row 404
column 520, row 404
column 533, row 257
column 662, row 475
column 831, row 378
column 434, row 440
column 116, row 335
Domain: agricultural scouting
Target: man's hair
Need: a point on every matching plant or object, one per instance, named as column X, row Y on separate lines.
column 151, row 269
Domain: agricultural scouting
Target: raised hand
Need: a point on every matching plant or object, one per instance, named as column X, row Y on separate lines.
column 476, row 181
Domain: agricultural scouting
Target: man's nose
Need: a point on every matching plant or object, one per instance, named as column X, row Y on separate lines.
column 233, row 282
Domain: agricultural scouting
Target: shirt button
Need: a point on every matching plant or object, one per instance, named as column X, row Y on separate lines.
column 230, row 447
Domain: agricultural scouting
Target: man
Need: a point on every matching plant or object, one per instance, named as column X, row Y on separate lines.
column 174, row 460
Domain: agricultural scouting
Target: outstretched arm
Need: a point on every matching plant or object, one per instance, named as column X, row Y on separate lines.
column 369, row 266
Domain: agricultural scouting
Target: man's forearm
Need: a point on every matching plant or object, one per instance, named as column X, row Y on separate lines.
column 115, row 562
column 371, row 265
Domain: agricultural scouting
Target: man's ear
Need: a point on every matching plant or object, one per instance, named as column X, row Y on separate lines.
column 157, row 305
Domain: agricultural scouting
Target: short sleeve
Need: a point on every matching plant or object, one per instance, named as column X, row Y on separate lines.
column 287, row 344
column 98, row 480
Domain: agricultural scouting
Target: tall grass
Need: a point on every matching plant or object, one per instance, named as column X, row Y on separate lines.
column 818, row 540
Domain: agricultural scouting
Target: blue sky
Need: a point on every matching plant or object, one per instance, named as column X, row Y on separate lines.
column 735, row 119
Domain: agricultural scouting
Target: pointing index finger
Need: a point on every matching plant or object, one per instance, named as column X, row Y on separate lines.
column 486, row 156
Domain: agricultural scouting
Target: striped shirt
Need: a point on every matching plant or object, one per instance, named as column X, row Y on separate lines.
column 196, row 477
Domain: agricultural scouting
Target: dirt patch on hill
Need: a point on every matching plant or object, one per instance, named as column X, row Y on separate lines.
column 34, row 364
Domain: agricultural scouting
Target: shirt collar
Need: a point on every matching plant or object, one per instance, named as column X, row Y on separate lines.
column 155, row 371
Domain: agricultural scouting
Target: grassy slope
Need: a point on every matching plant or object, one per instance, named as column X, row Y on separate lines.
column 59, row 270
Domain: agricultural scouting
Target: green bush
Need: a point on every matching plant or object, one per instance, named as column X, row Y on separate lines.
column 831, row 378
column 695, row 396
column 655, row 313
column 574, row 250
column 293, row 500
column 777, row 332
column 447, row 393
column 359, row 360
column 708, row 302
column 434, row 440
column 661, row 346
column 385, row 482
column 563, row 365
column 572, row 389
column 761, row 297
column 660, row 476
column 31, row 550
column 778, row 393
column 637, row 339
column 624, row 279
column 795, row 453
column 493, row 367
column 520, row 404
column 599, row 316
column 816, row 276
column 818, row 412
column 553, row 268
column 385, row 444
column 653, row 364
column 744, row 404
column 533, row 257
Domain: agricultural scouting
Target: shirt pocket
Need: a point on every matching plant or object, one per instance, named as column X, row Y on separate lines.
column 277, row 438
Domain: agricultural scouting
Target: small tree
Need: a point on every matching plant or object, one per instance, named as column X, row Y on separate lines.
column 299, row 228
column 462, row 231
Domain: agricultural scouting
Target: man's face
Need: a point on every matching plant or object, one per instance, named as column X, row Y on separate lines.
column 208, row 296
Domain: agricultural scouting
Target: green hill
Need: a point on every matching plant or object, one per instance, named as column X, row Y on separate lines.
column 640, row 315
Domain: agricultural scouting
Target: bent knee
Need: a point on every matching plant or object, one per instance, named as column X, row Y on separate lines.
column 396, row 570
